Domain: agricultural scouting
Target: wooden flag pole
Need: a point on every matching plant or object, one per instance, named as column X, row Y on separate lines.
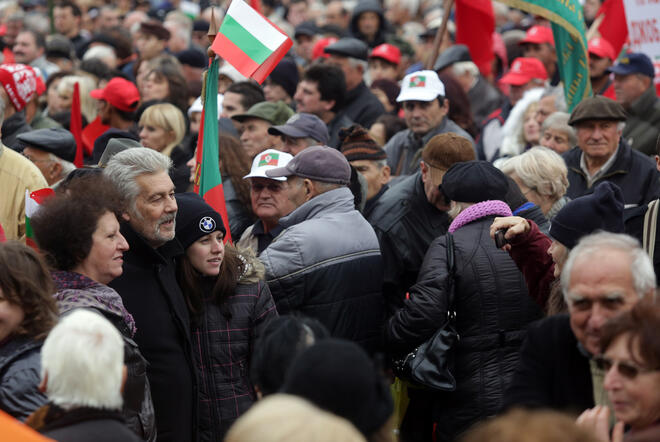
column 439, row 35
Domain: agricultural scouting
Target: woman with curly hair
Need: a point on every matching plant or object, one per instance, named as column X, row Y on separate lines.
column 78, row 230
column 27, row 313
column 229, row 303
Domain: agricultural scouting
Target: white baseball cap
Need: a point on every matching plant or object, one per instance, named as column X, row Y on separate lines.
column 266, row 160
column 421, row 86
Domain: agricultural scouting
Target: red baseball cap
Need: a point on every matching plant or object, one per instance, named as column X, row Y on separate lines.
column 319, row 46
column 387, row 52
column 523, row 70
column 601, row 48
column 120, row 93
column 538, row 35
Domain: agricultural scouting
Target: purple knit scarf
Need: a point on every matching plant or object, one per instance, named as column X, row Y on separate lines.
column 479, row 210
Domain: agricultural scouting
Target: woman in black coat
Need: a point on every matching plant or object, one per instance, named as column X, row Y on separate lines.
column 491, row 304
column 230, row 304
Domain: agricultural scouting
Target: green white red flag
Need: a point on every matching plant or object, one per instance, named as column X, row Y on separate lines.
column 250, row 42
column 33, row 201
column 208, row 180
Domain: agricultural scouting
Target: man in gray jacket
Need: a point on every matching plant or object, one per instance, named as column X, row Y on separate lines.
column 425, row 110
column 326, row 264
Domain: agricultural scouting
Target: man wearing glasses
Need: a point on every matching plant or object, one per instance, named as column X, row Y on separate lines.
column 425, row 109
column 605, row 274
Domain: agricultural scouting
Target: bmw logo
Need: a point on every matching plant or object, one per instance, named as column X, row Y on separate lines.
column 207, row 224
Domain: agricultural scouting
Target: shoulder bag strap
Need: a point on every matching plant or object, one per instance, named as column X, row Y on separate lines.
column 650, row 223
column 451, row 270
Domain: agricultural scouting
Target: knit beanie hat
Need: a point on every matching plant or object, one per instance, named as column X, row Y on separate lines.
column 601, row 210
column 20, row 83
column 195, row 218
column 338, row 376
column 356, row 144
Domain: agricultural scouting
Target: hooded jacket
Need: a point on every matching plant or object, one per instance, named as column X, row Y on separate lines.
column 369, row 6
column 327, row 265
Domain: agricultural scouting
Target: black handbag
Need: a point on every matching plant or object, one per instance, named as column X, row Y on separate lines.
column 429, row 365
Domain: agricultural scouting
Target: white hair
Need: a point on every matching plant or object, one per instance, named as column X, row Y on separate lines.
column 461, row 67
column 83, row 357
column 540, row 169
column 104, row 53
column 641, row 267
column 355, row 62
column 124, row 168
column 67, row 166
column 559, row 121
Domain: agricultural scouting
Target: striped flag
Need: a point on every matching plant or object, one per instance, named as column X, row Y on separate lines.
column 32, row 203
column 250, row 42
column 208, row 180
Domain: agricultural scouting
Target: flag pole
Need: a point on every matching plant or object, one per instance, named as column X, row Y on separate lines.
column 439, row 35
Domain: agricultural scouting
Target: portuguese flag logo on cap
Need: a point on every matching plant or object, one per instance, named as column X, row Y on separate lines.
column 269, row 159
column 418, row 81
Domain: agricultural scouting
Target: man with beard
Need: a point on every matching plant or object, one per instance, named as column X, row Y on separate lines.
column 149, row 288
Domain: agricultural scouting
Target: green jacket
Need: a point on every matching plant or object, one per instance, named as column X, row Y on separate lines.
column 643, row 125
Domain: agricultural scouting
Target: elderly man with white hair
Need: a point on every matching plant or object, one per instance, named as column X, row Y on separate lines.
column 149, row 289
column 605, row 274
column 83, row 376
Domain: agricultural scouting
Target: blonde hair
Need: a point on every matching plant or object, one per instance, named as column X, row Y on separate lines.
column 85, row 86
column 168, row 117
column 540, row 169
column 282, row 418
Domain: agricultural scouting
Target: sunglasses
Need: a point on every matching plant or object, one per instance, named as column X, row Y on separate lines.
column 625, row 369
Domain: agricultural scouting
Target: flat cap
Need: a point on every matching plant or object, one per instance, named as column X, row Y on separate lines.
column 452, row 55
column 474, row 182
column 349, row 47
column 597, row 108
column 275, row 113
column 114, row 146
column 156, row 29
column 55, row 140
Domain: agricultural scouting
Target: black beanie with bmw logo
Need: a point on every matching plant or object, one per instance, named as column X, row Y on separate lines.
column 195, row 218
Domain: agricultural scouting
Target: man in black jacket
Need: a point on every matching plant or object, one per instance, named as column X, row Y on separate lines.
column 361, row 105
column 149, row 289
column 605, row 274
column 602, row 154
column 412, row 213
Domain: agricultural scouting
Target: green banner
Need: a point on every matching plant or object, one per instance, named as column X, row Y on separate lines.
column 570, row 43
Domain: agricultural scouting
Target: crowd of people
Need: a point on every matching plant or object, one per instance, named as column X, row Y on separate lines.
column 374, row 192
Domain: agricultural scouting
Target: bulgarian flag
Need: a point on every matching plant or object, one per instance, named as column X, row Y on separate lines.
column 250, row 42
column 208, row 180
column 32, row 203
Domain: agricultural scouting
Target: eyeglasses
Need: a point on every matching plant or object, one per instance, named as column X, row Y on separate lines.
column 36, row 160
column 625, row 369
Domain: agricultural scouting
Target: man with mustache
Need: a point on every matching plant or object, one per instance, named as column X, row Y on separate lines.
column 149, row 289
column 602, row 154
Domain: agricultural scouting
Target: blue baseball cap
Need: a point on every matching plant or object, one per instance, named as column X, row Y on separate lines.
column 303, row 125
column 635, row 63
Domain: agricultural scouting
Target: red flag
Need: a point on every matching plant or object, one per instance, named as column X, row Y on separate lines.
column 614, row 27
column 76, row 125
column 91, row 132
column 475, row 24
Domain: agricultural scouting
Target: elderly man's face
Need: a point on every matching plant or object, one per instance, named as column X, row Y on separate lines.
column 255, row 137
column 598, row 139
column 25, row 49
column 155, row 208
column 556, row 140
column 269, row 199
column 629, row 88
column 43, row 161
column 422, row 116
column 600, row 287
column 376, row 175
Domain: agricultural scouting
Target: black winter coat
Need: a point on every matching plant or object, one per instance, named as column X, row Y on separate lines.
column 632, row 171
column 20, row 376
column 405, row 224
column 492, row 312
column 552, row 372
column 362, row 106
column 223, row 340
column 150, row 292
column 84, row 425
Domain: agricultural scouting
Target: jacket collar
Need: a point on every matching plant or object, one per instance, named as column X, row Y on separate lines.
column 355, row 92
column 140, row 247
column 334, row 201
column 15, row 347
column 644, row 102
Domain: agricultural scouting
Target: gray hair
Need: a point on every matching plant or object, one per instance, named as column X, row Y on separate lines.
column 641, row 267
column 355, row 62
column 124, row 168
column 461, row 67
column 559, row 121
column 67, row 166
column 540, row 169
column 558, row 93
column 83, row 357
